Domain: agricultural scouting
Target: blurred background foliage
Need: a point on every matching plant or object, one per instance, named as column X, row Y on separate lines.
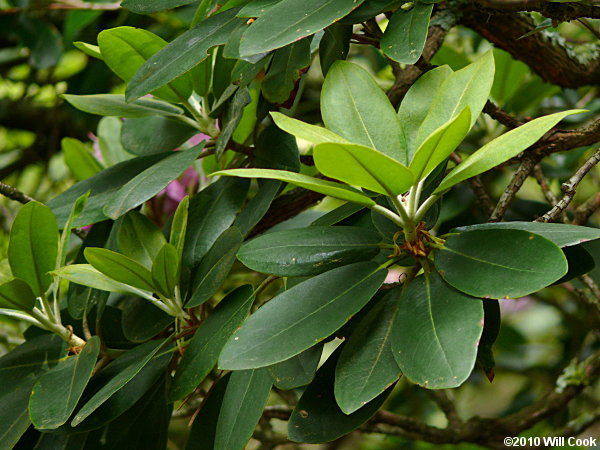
column 539, row 335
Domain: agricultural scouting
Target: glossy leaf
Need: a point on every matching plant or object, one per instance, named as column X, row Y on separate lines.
column 306, row 131
column 336, row 190
column 363, row 166
column 88, row 49
column 79, row 159
column 417, row 102
column 120, row 268
column 245, row 397
column 500, row 263
column 297, row 371
column 16, row 294
column 561, row 234
column 405, row 35
column 440, row 145
column 145, row 352
column 469, row 86
column 139, row 239
column 435, row 333
column 301, row 316
column 206, row 344
column 287, row 65
column 215, row 266
column 503, row 148
column 87, row 275
column 115, row 105
column 211, row 212
column 287, row 21
column 142, row 320
column 256, row 8
column 367, row 366
column 55, row 395
column 356, row 108
column 33, row 246
column 309, row 251
column 179, row 225
column 126, row 49
column 317, row 417
column 165, row 270
column 182, row 54
column 150, row 182
column 155, row 134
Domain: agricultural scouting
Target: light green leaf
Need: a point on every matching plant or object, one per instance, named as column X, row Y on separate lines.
column 500, row 263
column 363, row 166
column 306, row 131
column 120, row 268
column 469, row 86
column 145, row 353
column 561, row 234
column 165, row 270
column 356, row 108
column 79, row 159
column 16, row 294
column 87, row 275
column 417, row 102
column 336, row 190
column 405, row 35
column 435, row 334
column 115, row 105
column 139, row 238
column 215, row 266
column 440, row 144
column 55, row 395
column 206, row 344
column 88, row 49
column 301, row 316
column 179, row 225
column 503, row 148
column 309, row 251
column 150, row 182
column 287, row 21
column 245, row 398
column 367, row 366
column 182, row 54
column 126, row 49
column 33, row 246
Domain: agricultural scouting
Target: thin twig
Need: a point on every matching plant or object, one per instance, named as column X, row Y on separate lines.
column 548, row 194
column 495, row 112
column 586, row 209
column 527, row 165
column 14, row 194
column 481, row 195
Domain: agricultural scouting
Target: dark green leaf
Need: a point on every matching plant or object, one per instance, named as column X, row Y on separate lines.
column 580, row 262
column 287, row 65
column 143, row 355
column 16, row 294
column 155, row 134
column 142, row 320
column 561, row 234
column 102, row 186
column 405, row 35
column 203, row 351
column 276, row 149
column 309, row 251
column 337, row 215
column 120, row 268
column 150, row 182
column 334, row 45
column 256, row 8
column 317, row 417
column 179, row 225
column 33, row 246
column 139, row 239
column 232, row 118
column 55, row 395
column 301, row 316
column 491, row 329
column 150, row 6
column 211, row 212
column 287, row 21
column 500, row 263
column 370, row 9
column 115, row 105
column 367, row 366
column 165, row 270
column 356, row 108
column 298, row 370
column 182, row 54
column 435, row 333
column 257, row 207
column 215, row 266
column 245, row 397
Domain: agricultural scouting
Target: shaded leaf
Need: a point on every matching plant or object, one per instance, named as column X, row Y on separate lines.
column 154, row 134
column 16, row 294
column 115, row 105
column 298, row 370
column 287, row 65
column 150, row 6
column 334, row 45
column 120, row 268
column 257, row 207
column 276, row 149
column 79, row 159
column 165, row 270
column 179, row 225
column 139, row 238
column 405, row 35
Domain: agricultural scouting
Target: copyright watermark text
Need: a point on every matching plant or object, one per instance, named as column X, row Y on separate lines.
column 549, row 441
